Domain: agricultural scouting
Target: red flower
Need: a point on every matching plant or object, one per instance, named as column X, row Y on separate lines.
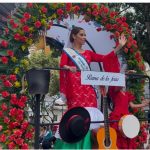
column 1, row 127
column 142, row 66
column 2, row 138
column 5, row 94
column 1, row 113
column 125, row 24
column 4, row 44
column 23, row 39
column 28, row 135
column 12, row 137
column 4, row 60
column 95, row 13
column 112, row 14
column 68, row 6
column 131, row 50
column 23, row 98
column 18, row 133
column 13, row 96
column 7, row 83
column 24, row 146
column 119, row 20
column 19, row 117
column 129, row 45
column 27, row 15
column 99, row 29
column 11, row 21
column 3, row 77
column 13, row 112
column 23, row 20
column 4, row 106
column 10, row 53
column 20, row 111
column 123, row 19
column 24, row 125
column 125, row 50
column 14, row 101
column 13, row 125
column 105, row 10
column 29, row 5
column 17, row 36
column 12, row 77
column 44, row 9
column 6, row 30
column 138, row 55
column 37, row 24
column 26, row 28
column 6, row 120
column 21, row 104
column 11, row 145
column 60, row 12
column 120, row 29
column 76, row 9
column 108, row 27
column 117, row 34
column 19, row 141
column 94, row 6
column 111, row 36
column 15, row 25
column 117, row 43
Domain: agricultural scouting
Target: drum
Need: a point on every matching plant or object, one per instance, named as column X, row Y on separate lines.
column 129, row 126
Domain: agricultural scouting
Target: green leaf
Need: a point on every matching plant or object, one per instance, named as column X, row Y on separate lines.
column 3, row 68
column 3, row 53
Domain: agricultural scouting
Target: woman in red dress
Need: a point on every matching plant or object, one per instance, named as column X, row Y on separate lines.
column 70, row 81
column 122, row 100
column 71, row 90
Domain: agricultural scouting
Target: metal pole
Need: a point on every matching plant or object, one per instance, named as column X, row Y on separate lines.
column 37, row 121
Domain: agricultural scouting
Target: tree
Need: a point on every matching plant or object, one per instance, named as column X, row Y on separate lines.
column 138, row 18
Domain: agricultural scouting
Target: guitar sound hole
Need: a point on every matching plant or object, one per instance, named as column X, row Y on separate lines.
column 107, row 142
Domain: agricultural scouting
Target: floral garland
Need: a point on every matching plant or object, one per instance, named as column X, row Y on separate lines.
column 22, row 30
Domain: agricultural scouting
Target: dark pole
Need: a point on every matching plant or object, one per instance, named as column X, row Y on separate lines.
column 37, row 121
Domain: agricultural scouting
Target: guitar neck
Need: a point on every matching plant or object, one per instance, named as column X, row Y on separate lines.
column 106, row 123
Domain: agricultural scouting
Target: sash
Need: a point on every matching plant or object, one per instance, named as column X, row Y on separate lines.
column 80, row 62
column 78, row 59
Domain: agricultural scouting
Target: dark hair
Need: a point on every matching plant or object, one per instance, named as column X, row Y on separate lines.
column 74, row 31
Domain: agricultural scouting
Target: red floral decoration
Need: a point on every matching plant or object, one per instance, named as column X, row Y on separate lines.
column 21, row 33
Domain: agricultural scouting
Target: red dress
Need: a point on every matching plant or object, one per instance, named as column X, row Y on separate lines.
column 121, row 101
column 78, row 95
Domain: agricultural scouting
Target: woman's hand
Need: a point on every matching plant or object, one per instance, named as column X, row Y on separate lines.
column 145, row 102
column 73, row 69
column 122, row 42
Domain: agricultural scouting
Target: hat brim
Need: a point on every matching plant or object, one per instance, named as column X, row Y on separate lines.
column 63, row 131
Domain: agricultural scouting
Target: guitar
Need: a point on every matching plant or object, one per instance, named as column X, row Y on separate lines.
column 106, row 136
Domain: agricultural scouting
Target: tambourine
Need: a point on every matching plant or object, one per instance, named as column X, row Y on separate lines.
column 129, row 126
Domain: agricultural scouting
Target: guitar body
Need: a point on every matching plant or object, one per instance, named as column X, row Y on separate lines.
column 101, row 138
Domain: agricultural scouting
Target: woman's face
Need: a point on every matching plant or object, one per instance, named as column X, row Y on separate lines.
column 80, row 37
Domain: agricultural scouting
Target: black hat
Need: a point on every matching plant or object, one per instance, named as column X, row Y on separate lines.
column 74, row 124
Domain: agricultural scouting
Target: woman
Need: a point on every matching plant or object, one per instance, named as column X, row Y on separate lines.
column 121, row 101
column 75, row 94
column 70, row 81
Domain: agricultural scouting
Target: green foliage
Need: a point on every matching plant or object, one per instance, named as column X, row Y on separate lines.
column 41, row 60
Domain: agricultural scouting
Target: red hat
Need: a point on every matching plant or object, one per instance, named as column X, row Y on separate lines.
column 74, row 124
